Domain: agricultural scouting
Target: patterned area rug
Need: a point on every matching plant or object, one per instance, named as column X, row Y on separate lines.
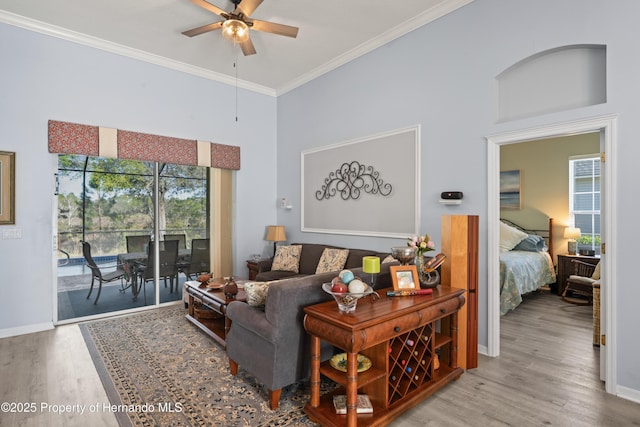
column 164, row 372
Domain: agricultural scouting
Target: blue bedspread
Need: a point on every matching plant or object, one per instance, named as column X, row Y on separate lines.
column 522, row 272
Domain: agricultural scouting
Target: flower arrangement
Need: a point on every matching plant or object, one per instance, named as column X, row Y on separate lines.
column 421, row 243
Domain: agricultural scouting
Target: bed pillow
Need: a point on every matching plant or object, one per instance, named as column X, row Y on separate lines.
column 287, row 258
column 332, row 260
column 510, row 237
column 531, row 243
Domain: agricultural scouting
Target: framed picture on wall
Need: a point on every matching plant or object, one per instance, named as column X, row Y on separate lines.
column 404, row 277
column 7, row 187
column 510, row 190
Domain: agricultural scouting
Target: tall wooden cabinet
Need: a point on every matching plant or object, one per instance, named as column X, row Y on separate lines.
column 460, row 270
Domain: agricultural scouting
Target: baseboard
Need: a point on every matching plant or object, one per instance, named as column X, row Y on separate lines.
column 483, row 349
column 628, row 394
column 28, row 329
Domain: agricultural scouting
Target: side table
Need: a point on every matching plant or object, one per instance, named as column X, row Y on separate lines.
column 254, row 267
column 217, row 325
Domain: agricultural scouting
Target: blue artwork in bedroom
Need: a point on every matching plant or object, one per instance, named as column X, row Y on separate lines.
column 510, row 197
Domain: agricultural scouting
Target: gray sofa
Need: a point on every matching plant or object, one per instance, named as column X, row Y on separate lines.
column 271, row 343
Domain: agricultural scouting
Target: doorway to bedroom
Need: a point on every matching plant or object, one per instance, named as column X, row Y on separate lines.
column 601, row 130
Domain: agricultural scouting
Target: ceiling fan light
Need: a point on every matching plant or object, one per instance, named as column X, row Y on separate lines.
column 235, row 30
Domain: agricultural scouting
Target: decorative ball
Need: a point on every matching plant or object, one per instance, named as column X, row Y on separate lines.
column 335, row 280
column 339, row 288
column 357, row 286
column 346, row 276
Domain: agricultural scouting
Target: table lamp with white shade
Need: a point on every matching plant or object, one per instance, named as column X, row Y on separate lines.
column 572, row 233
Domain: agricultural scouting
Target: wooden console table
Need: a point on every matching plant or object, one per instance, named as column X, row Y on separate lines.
column 402, row 336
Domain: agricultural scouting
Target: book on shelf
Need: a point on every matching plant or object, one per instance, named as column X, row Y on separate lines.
column 364, row 404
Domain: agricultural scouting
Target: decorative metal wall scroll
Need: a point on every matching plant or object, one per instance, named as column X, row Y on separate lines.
column 350, row 180
column 367, row 186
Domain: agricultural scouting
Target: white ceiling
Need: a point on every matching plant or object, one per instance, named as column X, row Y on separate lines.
column 332, row 32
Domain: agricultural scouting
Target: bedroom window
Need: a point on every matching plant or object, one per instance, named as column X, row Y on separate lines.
column 584, row 199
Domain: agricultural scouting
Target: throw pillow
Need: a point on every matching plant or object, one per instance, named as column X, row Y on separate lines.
column 596, row 272
column 257, row 292
column 332, row 260
column 510, row 237
column 287, row 258
column 389, row 258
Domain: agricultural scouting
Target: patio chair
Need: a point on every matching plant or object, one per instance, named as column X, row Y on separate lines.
column 181, row 238
column 97, row 274
column 168, row 265
column 200, row 260
column 137, row 243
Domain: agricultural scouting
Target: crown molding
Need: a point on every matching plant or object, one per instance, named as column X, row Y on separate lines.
column 398, row 31
column 83, row 39
column 417, row 21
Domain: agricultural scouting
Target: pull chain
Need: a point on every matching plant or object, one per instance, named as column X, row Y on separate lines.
column 235, row 66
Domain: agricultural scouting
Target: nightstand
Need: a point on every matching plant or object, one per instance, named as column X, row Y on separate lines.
column 566, row 268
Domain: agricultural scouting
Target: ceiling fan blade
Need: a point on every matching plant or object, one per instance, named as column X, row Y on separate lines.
column 209, row 7
column 248, row 6
column 272, row 27
column 247, row 47
column 203, row 29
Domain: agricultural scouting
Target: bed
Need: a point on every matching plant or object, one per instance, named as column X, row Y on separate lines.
column 526, row 262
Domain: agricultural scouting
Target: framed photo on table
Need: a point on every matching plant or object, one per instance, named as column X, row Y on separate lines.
column 404, row 277
column 7, row 187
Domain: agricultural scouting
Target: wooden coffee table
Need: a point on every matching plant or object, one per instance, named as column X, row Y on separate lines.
column 208, row 308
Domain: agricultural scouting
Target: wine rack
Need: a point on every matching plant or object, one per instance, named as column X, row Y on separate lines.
column 410, row 361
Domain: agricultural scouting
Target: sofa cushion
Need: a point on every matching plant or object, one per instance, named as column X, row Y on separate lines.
column 332, row 260
column 266, row 276
column 287, row 258
column 311, row 253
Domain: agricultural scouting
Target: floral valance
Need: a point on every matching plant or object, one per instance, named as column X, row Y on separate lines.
column 73, row 138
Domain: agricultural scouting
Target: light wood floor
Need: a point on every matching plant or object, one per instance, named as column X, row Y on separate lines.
column 547, row 375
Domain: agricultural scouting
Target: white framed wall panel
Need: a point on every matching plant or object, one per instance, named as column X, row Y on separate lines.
column 368, row 186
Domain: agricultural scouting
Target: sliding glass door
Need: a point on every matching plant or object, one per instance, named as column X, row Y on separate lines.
column 118, row 221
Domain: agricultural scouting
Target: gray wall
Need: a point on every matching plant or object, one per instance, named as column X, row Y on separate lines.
column 442, row 77
column 47, row 78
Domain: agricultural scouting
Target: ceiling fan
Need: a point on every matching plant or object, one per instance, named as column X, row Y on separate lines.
column 236, row 24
